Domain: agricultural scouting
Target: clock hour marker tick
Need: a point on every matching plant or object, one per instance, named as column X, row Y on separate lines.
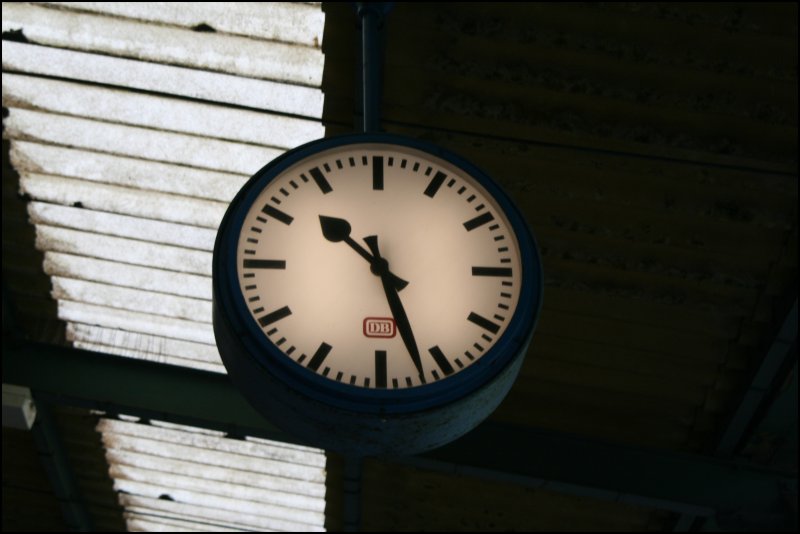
column 380, row 368
column 377, row 173
column 264, row 264
column 480, row 220
column 441, row 360
column 275, row 213
column 435, row 184
column 319, row 356
column 484, row 323
column 491, row 271
column 320, row 180
column 272, row 317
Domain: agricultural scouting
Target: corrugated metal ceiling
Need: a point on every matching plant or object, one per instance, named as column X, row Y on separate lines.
column 132, row 125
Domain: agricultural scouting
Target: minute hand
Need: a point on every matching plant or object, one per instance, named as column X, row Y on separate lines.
column 395, row 305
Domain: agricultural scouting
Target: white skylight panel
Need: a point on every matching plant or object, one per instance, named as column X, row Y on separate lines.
column 147, row 346
column 126, row 275
column 290, row 22
column 157, row 112
column 130, row 172
column 123, row 200
column 132, row 299
column 182, row 235
column 263, row 485
column 52, row 238
column 134, row 141
column 131, row 133
column 81, row 312
column 162, row 44
column 164, row 79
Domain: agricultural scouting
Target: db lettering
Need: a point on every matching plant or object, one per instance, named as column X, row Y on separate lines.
column 379, row 327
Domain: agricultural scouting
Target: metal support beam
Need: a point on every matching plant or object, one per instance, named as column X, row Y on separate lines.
column 351, row 482
column 763, row 384
column 686, row 483
column 55, row 461
column 114, row 384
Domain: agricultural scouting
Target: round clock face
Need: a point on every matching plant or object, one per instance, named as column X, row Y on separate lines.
column 379, row 267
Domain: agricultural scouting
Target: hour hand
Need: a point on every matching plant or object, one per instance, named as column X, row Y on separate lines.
column 336, row 230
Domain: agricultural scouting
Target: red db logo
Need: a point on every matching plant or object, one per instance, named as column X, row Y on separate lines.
column 379, row 327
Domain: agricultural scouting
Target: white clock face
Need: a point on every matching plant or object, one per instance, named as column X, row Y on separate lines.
column 379, row 266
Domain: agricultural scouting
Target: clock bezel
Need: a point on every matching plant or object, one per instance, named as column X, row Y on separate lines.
column 229, row 300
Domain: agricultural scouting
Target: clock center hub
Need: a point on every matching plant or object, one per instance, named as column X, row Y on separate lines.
column 379, row 267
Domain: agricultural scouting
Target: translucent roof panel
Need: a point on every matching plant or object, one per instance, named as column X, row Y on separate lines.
column 172, row 477
column 132, row 126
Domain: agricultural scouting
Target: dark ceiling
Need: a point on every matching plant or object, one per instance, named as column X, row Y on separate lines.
column 653, row 150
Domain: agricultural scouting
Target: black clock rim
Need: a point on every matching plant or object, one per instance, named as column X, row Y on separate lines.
column 254, row 345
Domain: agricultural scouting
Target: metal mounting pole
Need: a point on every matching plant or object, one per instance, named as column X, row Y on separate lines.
column 351, row 485
column 371, row 15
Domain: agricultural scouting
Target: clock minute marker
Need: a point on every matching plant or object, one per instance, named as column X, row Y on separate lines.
column 441, row 360
column 483, row 322
column 277, row 214
column 478, row 221
column 380, row 368
column 491, row 271
column 264, row 264
column 435, row 184
column 319, row 356
column 377, row 173
column 277, row 315
column 320, row 180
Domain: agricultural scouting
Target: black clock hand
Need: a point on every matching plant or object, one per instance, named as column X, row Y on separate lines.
column 381, row 268
column 336, row 230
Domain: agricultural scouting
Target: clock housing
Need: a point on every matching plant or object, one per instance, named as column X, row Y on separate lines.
column 303, row 326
